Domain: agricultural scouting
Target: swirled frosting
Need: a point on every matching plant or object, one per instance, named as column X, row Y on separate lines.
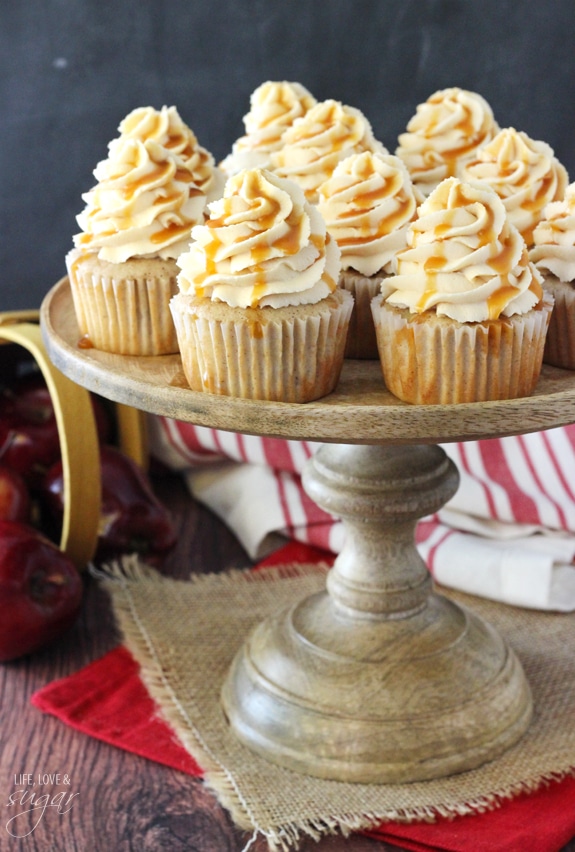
column 523, row 172
column 144, row 204
column 367, row 205
column 464, row 259
column 445, row 132
column 314, row 144
column 274, row 106
column 554, row 238
column 166, row 128
column 262, row 245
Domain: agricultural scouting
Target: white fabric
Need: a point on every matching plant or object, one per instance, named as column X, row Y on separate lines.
column 508, row 533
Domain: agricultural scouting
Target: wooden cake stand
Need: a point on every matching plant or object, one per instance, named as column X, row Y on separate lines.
column 379, row 678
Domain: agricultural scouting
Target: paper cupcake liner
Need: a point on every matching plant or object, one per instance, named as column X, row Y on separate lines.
column 125, row 313
column 560, row 342
column 427, row 359
column 285, row 354
column 361, row 340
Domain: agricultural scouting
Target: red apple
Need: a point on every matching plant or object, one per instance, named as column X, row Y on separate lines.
column 40, row 591
column 132, row 519
column 15, row 503
column 29, row 440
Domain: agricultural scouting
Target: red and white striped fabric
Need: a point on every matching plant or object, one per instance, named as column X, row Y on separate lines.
column 508, row 534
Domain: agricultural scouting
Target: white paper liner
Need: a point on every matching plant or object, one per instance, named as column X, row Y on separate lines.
column 560, row 342
column 292, row 358
column 436, row 361
column 361, row 340
column 127, row 316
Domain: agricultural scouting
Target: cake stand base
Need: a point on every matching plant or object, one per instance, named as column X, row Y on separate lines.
column 378, row 679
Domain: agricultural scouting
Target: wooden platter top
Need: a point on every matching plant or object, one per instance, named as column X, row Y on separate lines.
column 360, row 410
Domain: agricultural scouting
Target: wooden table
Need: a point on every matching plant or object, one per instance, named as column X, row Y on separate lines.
column 123, row 802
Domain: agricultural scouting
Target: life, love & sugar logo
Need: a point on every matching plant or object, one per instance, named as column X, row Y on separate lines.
column 28, row 803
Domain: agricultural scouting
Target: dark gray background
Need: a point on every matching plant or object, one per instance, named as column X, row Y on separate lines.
column 71, row 69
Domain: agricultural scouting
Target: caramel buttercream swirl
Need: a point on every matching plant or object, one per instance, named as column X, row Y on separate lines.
column 367, row 205
column 464, row 259
column 554, row 238
column 444, row 133
column 166, row 128
column 144, row 204
column 274, row 106
column 262, row 245
column 524, row 173
column 314, row 144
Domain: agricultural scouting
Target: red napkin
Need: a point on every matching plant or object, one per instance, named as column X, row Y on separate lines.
column 108, row 701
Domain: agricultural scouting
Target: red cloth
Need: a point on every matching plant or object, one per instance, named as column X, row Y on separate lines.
column 108, row 701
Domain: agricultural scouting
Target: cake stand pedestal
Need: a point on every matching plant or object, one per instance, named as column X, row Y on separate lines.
column 379, row 678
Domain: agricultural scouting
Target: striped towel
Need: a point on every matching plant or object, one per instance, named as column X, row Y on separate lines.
column 508, row 533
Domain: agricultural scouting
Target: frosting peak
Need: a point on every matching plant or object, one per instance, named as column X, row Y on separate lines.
column 445, row 132
column 144, row 204
column 166, row 128
column 523, row 172
column 367, row 205
column 464, row 259
column 262, row 245
column 274, row 106
column 554, row 238
column 314, row 144
column 151, row 189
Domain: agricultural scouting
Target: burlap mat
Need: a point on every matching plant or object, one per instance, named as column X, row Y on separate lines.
column 184, row 635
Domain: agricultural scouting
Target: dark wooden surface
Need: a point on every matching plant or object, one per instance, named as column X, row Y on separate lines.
column 123, row 802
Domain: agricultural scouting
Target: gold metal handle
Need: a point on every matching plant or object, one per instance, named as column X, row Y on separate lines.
column 78, row 440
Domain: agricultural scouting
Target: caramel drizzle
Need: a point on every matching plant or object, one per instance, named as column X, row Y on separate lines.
column 497, row 301
column 386, row 226
column 170, row 234
column 160, row 173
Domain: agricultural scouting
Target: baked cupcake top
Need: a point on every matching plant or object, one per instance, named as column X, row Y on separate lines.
column 445, row 132
column 262, row 245
column 274, row 106
column 524, row 173
column 314, row 144
column 166, row 128
column 554, row 238
column 464, row 259
column 367, row 205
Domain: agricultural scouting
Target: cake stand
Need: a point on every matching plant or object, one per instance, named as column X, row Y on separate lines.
column 378, row 678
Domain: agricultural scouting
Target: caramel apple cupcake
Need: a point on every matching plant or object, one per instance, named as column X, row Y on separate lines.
column 259, row 314
column 367, row 204
column 274, row 106
column 137, row 220
column 444, row 133
column 467, row 316
column 524, row 173
column 314, row 144
column 553, row 254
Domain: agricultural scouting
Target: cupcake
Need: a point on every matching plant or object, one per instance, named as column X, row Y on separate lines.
column 274, row 106
column 367, row 204
column 467, row 316
column 524, row 173
column 314, row 144
column 444, row 133
column 137, row 220
column 553, row 254
column 259, row 314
